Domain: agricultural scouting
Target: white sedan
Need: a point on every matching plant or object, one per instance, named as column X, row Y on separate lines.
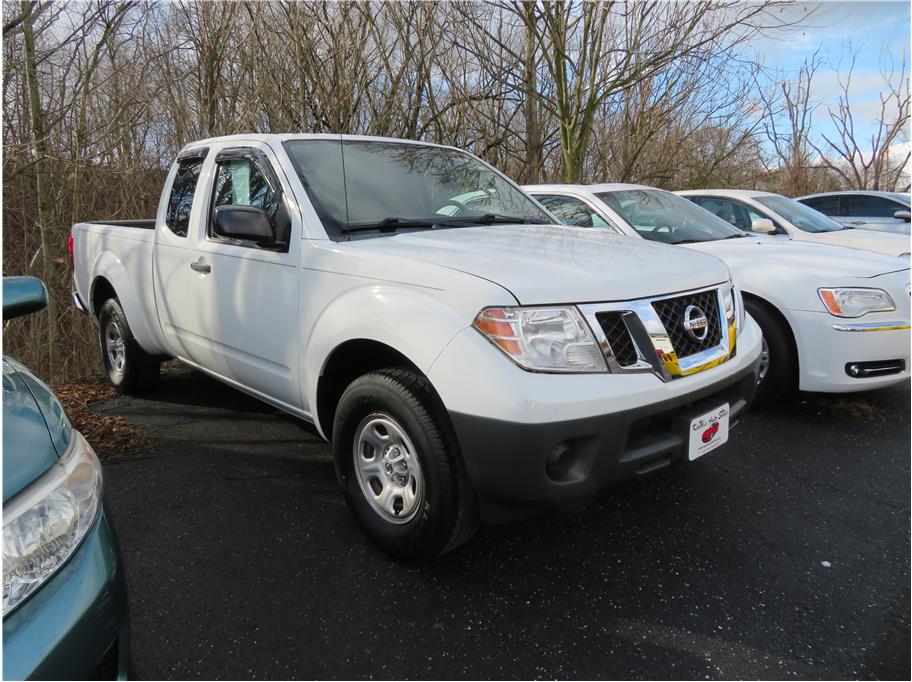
column 833, row 319
column 754, row 211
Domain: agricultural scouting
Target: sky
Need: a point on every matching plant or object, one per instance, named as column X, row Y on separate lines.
column 873, row 28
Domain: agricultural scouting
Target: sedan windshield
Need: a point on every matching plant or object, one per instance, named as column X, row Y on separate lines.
column 665, row 217
column 801, row 216
column 365, row 186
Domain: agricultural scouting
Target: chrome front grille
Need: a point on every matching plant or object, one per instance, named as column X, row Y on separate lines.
column 671, row 312
column 618, row 337
column 651, row 335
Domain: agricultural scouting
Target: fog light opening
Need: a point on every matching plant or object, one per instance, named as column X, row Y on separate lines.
column 559, row 462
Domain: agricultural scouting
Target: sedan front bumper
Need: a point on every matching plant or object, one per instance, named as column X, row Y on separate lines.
column 829, row 346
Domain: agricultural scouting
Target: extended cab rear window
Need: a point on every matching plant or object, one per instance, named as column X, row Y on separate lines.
column 180, row 202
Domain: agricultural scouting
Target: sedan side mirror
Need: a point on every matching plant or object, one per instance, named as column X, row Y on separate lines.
column 23, row 295
column 243, row 222
column 902, row 214
column 764, row 225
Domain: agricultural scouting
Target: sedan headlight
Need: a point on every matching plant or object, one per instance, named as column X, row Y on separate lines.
column 855, row 302
column 44, row 524
column 543, row 339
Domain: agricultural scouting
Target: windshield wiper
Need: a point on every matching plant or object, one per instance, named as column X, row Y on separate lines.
column 735, row 236
column 499, row 218
column 687, row 241
column 391, row 225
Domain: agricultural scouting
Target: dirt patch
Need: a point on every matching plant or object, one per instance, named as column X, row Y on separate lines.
column 112, row 437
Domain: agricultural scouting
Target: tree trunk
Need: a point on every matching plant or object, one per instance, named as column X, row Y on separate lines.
column 531, row 172
column 42, row 185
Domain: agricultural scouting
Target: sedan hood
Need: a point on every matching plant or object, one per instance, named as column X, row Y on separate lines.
column 878, row 242
column 775, row 254
column 28, row 450
column 541, row 264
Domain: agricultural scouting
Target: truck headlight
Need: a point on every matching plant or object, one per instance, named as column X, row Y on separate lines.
column 44, row 524
column 544, row 339
column 855, row 302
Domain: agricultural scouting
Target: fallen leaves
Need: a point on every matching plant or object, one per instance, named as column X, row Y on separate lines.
column 112, row 437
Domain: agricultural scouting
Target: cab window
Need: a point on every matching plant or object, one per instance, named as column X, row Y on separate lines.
column 177, row 216
column 241, row 182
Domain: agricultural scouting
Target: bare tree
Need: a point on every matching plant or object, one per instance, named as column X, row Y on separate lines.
column 787, row 122
column 873, row 163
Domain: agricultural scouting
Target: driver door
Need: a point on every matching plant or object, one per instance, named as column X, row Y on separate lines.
column 245, row 295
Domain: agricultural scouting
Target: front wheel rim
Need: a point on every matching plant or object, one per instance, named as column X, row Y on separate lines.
column 763, row 370
column 387, row 467
column 115, row 348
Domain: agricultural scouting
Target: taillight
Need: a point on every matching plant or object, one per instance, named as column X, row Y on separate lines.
column 70, row 250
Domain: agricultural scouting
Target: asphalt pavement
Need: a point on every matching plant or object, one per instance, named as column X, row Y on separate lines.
column 783, row 555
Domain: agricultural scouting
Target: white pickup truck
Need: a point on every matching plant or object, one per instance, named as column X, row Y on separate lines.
column 468, row 360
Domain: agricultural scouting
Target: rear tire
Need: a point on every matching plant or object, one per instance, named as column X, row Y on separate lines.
column 778, row 365
column 401, row 469
column 130, row 369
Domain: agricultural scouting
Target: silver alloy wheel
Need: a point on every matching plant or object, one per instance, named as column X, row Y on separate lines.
column 116, row 348
column 387, row 468
column 764, row 361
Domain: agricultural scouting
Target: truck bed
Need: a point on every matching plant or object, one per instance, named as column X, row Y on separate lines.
column 141, row 224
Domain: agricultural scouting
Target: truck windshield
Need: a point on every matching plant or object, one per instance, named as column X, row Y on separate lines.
column 372, row 187
column 665, row 217
column 801, row 216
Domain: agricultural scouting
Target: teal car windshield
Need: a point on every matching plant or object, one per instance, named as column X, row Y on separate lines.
column 362, row 185
column 801, row 216
column 667, row 218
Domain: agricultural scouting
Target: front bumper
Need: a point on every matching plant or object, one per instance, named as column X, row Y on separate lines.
column 827, row 344
column 509, row 421
column 512, row 465
column 76, row 625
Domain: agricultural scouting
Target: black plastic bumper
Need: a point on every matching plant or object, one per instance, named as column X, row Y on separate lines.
column 518, row 469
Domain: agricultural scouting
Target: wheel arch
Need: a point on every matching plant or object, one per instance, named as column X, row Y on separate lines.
column 347, row 361
column 777, row 313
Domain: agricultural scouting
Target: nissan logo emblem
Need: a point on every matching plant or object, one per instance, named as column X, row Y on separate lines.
column 695, row 323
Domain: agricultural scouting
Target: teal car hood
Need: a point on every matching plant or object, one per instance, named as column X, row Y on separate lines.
column 36, row 430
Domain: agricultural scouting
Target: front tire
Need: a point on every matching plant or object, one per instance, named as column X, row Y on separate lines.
column 778, row 361
column 130, row 369
column 401, row 469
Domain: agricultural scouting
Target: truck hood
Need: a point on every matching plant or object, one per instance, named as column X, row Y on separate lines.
column 28, row 450
column 878, row 242
column 542, row 264
column 773, row 253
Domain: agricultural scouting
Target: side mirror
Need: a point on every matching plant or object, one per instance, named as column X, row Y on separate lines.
column 22, row 296
column 764, row 225
column 903, row 214
column 243, row 222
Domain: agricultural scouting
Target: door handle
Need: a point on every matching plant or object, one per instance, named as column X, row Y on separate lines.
column 201, row 266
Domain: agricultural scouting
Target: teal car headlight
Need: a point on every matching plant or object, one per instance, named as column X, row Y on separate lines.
column 44, row 524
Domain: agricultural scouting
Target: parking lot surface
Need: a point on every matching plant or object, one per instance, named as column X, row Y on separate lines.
column 783, row 555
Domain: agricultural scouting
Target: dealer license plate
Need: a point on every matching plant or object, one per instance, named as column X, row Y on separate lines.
column 708, row 431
